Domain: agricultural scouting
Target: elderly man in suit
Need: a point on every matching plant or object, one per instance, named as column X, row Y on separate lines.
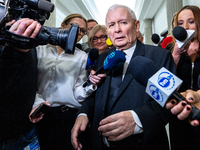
column 123, row 116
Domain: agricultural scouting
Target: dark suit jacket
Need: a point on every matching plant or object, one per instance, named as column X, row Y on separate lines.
column 132, row 96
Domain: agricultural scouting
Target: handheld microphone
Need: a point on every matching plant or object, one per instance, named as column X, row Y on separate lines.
column 156, row 39
column 182, row 36
column 92, row 57
column 78, row 45
column 112, row 62
column 162, row 85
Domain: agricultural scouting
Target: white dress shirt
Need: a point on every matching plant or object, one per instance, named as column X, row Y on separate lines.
column 60, row 77
column 129, row 53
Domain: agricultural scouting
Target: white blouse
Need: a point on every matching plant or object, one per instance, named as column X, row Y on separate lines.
column 60, row 77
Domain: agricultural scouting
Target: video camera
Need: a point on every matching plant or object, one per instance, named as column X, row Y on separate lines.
column 38, row 10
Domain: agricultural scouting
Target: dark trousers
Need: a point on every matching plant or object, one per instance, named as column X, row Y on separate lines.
column 54, row 130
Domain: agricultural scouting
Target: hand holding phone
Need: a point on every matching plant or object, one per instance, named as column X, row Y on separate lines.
column 42, row 109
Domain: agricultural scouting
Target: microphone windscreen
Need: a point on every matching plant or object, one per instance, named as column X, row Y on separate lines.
column 45, row 5
column 93, row 54
column 166, row 41
column 114, row 60
column 179, row 33
column 155, row 38
column 142, row 69
column 79, row 46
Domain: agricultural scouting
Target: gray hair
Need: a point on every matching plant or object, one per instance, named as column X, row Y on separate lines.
column 115, row 6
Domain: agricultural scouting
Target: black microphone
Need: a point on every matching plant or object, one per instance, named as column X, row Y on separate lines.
column 182, row 36
column 112, row 62
column 179, row 33
column 160, row 84
column 40, row 4
column 78, row 45
column 156, row 39
column 92, row 57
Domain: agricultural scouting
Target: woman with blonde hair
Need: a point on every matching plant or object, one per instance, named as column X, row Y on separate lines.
column 97, row 38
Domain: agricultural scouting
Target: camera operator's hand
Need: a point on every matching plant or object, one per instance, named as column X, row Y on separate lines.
column 26, row 27
column 10, row 23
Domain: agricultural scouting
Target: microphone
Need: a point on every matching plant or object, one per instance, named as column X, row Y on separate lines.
column 92, row 57
column 182, row 36
column 162, row 85
column 78, row 45
column 112, row 62
column 156, row 39
column 40, row 4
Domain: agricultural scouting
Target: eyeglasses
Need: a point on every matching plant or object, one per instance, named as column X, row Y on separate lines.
column 82, row 30
column 102, row 38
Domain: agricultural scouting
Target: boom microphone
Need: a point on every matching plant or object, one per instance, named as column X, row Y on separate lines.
column 161, row 85
column 182, row 36
column 112, row 62
column 40, row 4
column 92, row 57
column 45, row 5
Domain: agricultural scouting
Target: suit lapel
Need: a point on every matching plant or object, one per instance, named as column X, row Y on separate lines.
column 103, row 92
column 106, row 89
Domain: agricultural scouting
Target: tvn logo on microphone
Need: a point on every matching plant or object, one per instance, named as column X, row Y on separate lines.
column 166, row 80
column 161, row 85
column 155, row 93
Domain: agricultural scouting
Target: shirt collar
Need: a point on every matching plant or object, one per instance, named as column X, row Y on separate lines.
column 129, row 52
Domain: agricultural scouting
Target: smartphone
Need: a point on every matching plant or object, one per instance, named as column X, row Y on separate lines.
column 42, row 109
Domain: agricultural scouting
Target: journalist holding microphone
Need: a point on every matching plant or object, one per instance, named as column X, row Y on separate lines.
column 60, row 79
column 182, row 134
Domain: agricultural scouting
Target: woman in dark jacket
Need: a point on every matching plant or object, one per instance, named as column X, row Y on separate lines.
column 182, row 134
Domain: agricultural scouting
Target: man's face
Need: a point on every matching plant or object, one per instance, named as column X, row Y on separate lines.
column 90, row 25
column 121, row 28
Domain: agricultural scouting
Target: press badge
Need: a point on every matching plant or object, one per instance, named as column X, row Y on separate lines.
column 33, row 145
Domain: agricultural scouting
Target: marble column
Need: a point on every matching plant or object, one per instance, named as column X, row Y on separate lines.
column 147, row 31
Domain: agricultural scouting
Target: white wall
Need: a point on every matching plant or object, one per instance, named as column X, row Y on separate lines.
column 159, row 23
column 191, row 2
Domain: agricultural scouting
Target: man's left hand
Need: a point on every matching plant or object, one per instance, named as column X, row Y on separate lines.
column 118, row 126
